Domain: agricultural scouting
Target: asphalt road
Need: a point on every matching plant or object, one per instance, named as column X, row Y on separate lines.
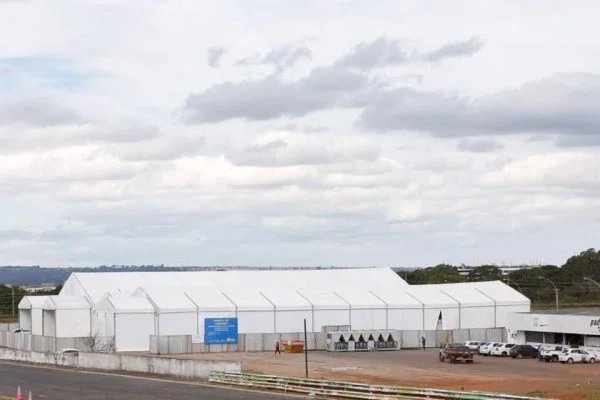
column 51, row 384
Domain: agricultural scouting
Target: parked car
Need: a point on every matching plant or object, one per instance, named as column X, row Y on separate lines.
column 571, row 356
column 68, row 351
column 473, row 344
column 487, row 347
column 550, row 353
column 524, row 351
column 502, row 350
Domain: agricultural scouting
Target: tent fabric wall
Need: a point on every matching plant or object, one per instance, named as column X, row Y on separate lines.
column 328, row 309
column 290, row 309
column 475, row 309
column 210, row 303
column 72, row 315
column 255, row 313
column 404, row 312
column 131, row 318
column 507, row 300
column 436, row 304
column 176, row 313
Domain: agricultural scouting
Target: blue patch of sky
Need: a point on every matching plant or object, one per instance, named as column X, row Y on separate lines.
column 49, row 72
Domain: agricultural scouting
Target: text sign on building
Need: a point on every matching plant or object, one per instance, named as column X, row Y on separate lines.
column 220, row 330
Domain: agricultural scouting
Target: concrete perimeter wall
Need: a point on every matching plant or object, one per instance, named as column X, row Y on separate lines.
column 199, row 369
column 182, row 344
column 4, row 327
column 44, row 344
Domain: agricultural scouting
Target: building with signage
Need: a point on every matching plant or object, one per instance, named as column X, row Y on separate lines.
column 569, row 326
column 131, row 306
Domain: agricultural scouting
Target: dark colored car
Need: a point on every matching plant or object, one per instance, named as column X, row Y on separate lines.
column 524, row 351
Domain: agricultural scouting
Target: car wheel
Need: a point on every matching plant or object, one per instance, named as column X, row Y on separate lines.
column 554, row 358
column 570, row 361
column 519, row 355
column 504, row 354
column 592, row 361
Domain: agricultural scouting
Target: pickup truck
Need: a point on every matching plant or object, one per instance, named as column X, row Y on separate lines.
column 551, row 353
column 456, row 352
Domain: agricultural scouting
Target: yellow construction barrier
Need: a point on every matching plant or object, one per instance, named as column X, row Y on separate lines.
column 293, row 346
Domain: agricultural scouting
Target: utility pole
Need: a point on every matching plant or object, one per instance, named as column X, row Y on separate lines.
column 554, row 286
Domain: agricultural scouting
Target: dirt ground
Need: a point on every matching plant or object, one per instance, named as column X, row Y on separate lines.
column 423, row 369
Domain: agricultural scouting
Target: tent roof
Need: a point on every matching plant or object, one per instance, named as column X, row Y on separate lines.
column 66, row 303
column 167, row 299
column 465, row 294
column 358, row 298
column 123, row 303
column 286, row 299
column 97, row 284
column 209, row 299
column 324, row 299
column 30, row 302
column 247, row 299
column 398, row 298
column 502, row 293
column 431, row 296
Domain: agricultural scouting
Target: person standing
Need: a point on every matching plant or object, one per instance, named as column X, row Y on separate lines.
column 277, row 349
column 423, row 342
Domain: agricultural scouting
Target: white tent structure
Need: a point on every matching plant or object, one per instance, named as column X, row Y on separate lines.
column 67, row 316
column 328, row 309
column 175, row 312
column 130, row 319
column 474, row 308
column 506, row 300
column 440, row 311
column 134, row 305
column 290, row 310
column 31, row 314
column 404, row 312
column 210, row 303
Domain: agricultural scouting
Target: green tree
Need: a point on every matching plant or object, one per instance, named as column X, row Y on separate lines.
column 442, row 273
column 485, row 273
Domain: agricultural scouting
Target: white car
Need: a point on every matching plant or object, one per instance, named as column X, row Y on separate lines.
column 571, row 356
column 68, row 351
column 486, row 348
column 502, row 350
column 472, row 345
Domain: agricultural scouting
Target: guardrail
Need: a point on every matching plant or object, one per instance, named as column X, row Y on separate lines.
column 348, row 390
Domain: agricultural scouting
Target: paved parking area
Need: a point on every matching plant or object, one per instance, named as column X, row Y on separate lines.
column 422, row 368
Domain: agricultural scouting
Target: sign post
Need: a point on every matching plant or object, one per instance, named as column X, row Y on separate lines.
column 305, row 350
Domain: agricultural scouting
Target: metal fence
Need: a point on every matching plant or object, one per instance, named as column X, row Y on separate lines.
column 335, row 389
column 179, row 344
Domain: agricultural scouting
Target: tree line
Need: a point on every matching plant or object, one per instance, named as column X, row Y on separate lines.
column 574, row 280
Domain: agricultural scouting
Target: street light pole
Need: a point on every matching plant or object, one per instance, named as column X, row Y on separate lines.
column 585, row 278
column 554, row 286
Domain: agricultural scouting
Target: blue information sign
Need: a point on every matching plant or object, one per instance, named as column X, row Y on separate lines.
column 220, row 330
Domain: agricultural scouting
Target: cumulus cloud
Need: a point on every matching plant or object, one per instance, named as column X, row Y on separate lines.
column 454, row 49
column 479, row 145
column 381, row 52
column 282, row 57
column 271, row 97
column 296, row 149
column 560, row 104
column 36, row 111
column 267, row 167
column 214, row 55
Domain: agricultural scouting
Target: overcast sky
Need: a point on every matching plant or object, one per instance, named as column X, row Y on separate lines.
column 315, row 132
